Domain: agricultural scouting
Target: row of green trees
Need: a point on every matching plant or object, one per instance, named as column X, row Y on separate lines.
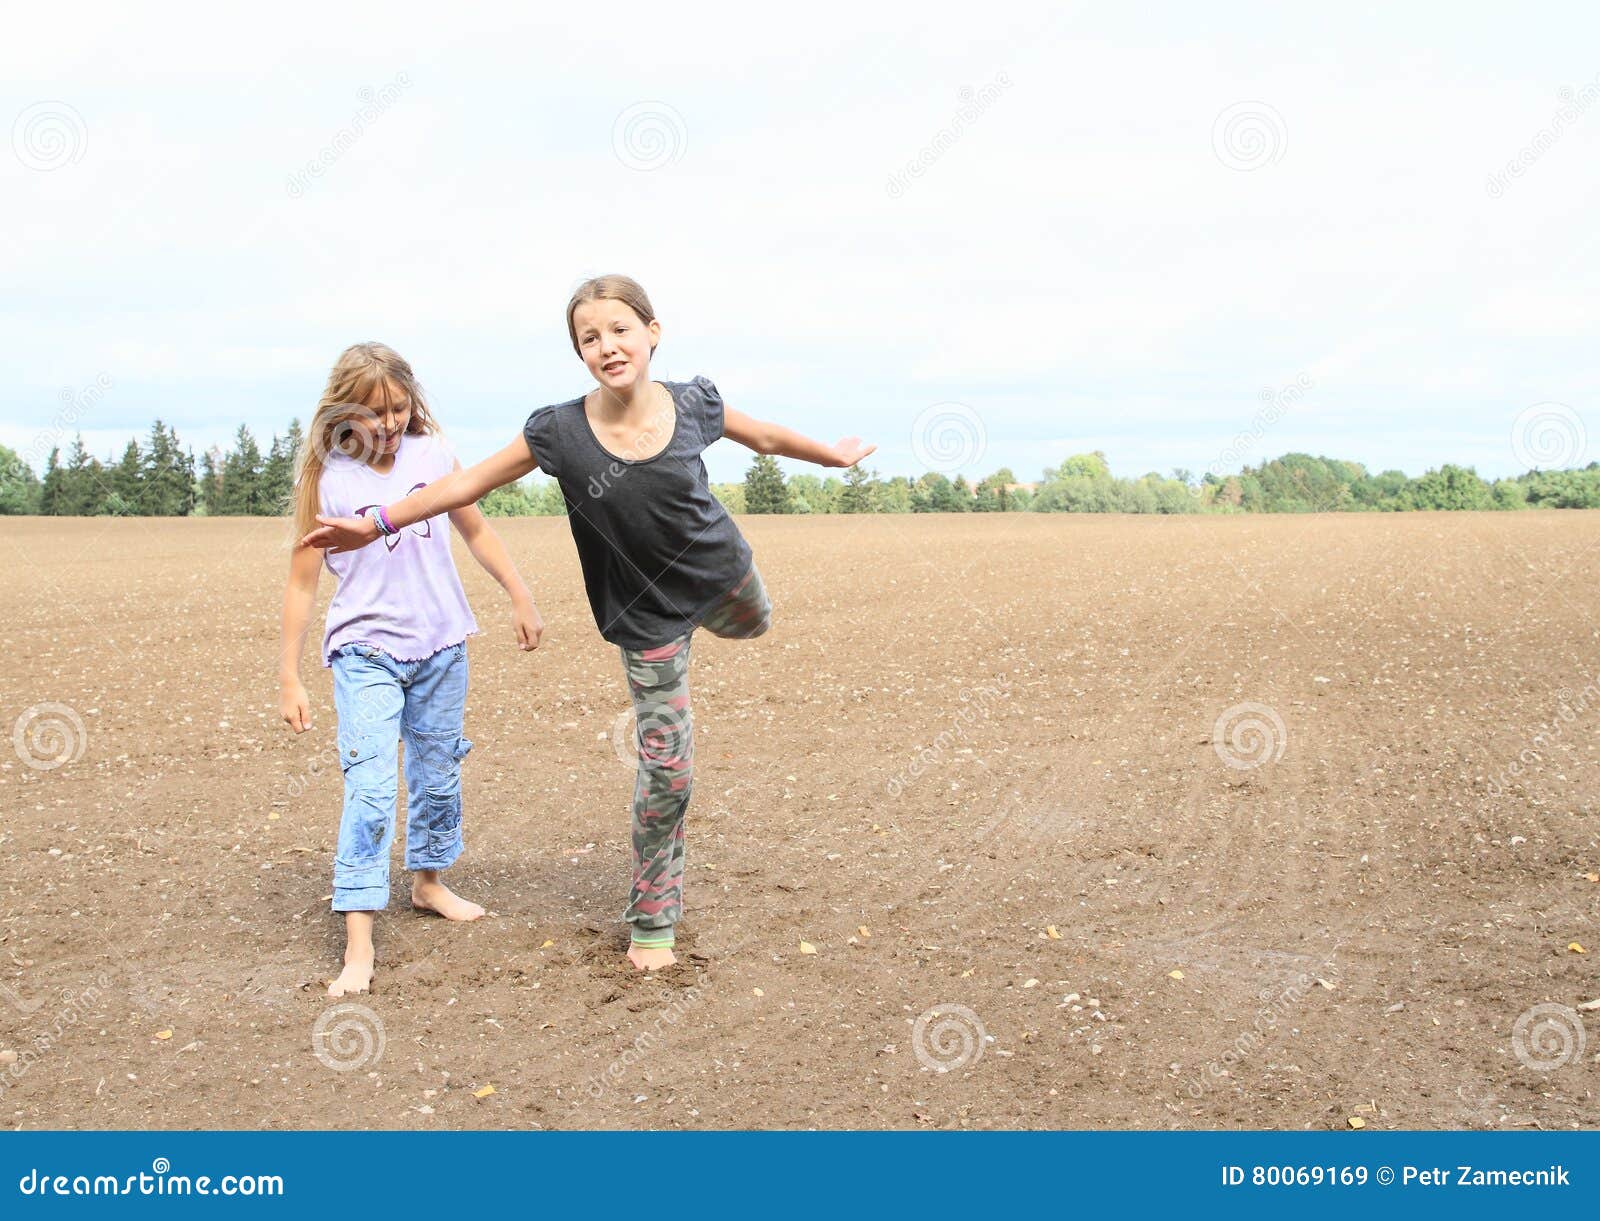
column 161, row 477
column 1294, row 483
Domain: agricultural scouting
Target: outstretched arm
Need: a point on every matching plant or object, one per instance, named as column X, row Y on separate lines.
column 463, row 486
column 767, row 438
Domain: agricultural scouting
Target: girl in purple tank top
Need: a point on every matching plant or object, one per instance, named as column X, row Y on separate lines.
column 660, row 555
column 395, row 640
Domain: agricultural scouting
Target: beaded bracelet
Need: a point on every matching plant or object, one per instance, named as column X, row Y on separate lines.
column 375, row 513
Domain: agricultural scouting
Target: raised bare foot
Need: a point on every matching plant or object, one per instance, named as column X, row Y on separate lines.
column 357, row 973
column 432, row 895
column 651, row 958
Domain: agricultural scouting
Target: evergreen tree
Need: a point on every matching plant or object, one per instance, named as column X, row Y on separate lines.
column 858, row 492
column 52, row 494
column 210, row 493
column 126, row 483
column 185, row 473
column 961, row 495
column 84, row 482
column 277, row 477
column 764, row 488
column 241, row 476
column 168, row 474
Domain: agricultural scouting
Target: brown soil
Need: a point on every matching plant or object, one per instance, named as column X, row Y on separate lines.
column 172, row 874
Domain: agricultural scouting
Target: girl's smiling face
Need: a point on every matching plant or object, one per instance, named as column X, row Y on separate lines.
column 614, row 342
column 376, row 431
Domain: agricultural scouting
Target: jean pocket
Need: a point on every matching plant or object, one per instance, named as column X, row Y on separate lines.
column 441, row 798
column 358, row 748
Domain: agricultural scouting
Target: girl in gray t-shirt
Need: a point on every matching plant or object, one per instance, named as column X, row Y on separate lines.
column 660, row 555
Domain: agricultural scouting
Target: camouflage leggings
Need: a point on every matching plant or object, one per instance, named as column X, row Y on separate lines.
column 658, row 680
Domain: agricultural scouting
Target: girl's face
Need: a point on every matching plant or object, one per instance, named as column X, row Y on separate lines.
column 377, row 432
column 614, row 343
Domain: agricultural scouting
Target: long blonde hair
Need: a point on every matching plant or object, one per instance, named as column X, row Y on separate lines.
column 610, row 288
column 363, row 372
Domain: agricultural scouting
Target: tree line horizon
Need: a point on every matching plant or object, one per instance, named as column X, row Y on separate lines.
column 162, row 478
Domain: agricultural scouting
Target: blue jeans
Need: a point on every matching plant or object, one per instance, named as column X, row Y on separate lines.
column 379, row 700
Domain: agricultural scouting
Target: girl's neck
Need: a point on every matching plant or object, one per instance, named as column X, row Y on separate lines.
column 640, row 399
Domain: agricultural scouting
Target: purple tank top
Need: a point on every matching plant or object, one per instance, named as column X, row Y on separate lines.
column 400, row 594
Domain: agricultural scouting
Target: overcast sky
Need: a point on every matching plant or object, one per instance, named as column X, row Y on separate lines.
column 983, row 235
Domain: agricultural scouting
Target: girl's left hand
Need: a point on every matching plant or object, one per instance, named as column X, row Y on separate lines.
column 341, row 534
column 527, row 623
column 851, row 450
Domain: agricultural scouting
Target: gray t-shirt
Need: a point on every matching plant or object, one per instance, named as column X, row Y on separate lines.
column 657, row 548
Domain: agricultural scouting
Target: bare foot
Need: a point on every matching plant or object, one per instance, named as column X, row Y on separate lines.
column 431, row 895
column 357, row 973
column 356, row 977
column 358, row 955
column 646, row 958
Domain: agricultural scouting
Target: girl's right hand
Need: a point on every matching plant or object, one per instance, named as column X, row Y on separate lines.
column 294, row 706
column 342, row 534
